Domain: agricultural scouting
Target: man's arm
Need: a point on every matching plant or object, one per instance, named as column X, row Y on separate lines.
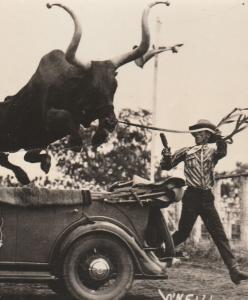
column 221, row 149
column 169, row 161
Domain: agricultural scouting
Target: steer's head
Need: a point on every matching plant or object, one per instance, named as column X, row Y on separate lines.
column 99, row 83
column 98, row 99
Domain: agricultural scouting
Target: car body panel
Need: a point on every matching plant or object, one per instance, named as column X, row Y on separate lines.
column 30, row 232
column 133, row 215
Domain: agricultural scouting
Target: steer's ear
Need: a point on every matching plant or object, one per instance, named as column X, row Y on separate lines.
column 116, row 73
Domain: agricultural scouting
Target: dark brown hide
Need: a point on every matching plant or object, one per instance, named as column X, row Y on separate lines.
column 57, row 99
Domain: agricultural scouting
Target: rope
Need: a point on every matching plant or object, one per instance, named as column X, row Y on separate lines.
column 123, row 122
column 126, row 123
column 242, row 120
column 161, row 129
column 156, row 128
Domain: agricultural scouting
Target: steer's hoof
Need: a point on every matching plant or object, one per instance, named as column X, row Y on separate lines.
column 77, row 149
column 75, row 143
column 45, row 164
column 21, row 176
column 100, row 137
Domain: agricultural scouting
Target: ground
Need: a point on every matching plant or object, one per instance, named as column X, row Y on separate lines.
column 202, row 280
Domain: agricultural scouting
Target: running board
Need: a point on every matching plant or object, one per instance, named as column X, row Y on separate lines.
column 25, row 276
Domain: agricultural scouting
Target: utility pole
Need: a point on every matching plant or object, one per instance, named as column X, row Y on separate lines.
column 154, row 102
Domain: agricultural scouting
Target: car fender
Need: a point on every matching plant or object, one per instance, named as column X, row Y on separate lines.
column 103, row 227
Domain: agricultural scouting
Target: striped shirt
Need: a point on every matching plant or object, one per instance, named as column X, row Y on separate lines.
column 199, row 162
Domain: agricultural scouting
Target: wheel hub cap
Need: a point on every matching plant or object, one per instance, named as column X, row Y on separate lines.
column 99, row 269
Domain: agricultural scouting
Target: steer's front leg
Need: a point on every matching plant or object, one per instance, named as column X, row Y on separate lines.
column 61, row 123
column 35, row 156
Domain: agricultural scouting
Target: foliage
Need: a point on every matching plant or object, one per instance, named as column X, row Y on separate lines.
column 230, row 186
column 241, row 168
column 8, row 180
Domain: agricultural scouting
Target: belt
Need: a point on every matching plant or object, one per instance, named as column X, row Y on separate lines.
column 198, row 188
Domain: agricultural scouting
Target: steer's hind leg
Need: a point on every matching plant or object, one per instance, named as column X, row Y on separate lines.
column 35, row 156
column 21, row 175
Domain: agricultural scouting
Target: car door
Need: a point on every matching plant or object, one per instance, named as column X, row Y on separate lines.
column 38, row 228
column 8, row 227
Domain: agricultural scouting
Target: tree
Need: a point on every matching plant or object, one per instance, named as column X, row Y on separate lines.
column 127, row 153
column 230, row 185
column 241, row 168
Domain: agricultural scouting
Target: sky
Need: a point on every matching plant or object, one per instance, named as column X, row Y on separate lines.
column 205, row 80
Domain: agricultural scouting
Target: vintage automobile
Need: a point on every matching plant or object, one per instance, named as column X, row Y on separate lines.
column 84, row 244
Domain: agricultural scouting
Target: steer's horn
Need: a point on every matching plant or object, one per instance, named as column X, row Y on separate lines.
column 72, row 48
column 145, row 41
column 140, row 61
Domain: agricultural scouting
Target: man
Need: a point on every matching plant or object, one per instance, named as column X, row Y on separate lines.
column 199, row 162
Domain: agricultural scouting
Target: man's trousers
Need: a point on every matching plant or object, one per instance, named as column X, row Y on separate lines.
column 198, row 202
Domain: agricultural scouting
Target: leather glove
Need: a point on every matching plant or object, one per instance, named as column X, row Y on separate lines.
column 218, row 134
column 166, row 152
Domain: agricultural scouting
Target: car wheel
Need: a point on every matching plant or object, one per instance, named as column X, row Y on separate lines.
column 98, row 267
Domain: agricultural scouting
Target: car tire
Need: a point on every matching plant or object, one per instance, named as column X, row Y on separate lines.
column 98, row 267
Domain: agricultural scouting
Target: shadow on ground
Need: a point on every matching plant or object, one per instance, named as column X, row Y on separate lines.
column 55, row 297
column 29, row 297
column 42, row 292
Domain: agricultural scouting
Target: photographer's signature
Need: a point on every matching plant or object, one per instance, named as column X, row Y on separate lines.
column 181, row 296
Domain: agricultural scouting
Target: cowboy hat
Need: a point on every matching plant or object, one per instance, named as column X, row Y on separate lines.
column 205, row 125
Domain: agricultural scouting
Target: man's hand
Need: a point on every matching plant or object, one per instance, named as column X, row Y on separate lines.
column 218, row 134
column 165, row 162
column 166, row 152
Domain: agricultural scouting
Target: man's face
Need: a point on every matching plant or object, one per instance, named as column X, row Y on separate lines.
column 202, row 137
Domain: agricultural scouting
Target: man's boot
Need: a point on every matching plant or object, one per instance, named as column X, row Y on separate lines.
column 236, row 275
column 154, row 258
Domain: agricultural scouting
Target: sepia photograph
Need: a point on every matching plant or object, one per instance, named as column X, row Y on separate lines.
column 123, row 150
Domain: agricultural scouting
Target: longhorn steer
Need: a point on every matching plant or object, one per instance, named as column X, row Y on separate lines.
column 62, row 94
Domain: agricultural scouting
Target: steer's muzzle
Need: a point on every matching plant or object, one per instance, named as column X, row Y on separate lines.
column 109, row 122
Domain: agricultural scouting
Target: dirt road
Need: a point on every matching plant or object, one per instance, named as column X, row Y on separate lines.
column 203, row 283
